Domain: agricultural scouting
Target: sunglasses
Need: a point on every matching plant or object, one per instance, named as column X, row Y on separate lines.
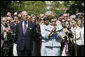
column 53, row 21
column 65, row 16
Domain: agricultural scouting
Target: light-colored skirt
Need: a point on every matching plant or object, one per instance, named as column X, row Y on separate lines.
column 43, row 48
column 52, row 51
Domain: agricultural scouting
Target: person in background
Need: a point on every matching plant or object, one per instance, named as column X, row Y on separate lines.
column 29, row 18
column 19, row 15
column 10, row 33
column 79, row 32
column 66, row 42
column 72, row 17
column 6, row 45
column 37, row 40
column 13, row 28
column 59, row 19
column 43, row 26
column 3, row 33
column 63, row 23
column 73, row 28
column 66, row 17
column 15, row 22
column 41, row 17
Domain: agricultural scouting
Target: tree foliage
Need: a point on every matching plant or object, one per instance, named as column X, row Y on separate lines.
column 38, row 7
column 57, row 7
column 5, row 5
column 33, row 7
column 74, row 6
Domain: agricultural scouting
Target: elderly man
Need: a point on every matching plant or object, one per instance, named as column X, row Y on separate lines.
column 3, row 29
column 3, row 20
column 25, row 32
column 4, row 39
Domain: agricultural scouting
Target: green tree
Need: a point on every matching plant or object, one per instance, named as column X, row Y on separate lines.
column 57, row 7
column 33, row 7
column 74, row 6
column 5, row 7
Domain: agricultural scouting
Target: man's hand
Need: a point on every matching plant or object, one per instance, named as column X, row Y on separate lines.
column 5, row 30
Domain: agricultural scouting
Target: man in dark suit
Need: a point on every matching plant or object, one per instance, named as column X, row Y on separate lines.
column 13, row 26
column 25, row 32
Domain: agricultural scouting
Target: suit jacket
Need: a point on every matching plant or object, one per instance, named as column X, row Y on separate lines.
column 25, row 40
column 53, row 40
column 13, row 27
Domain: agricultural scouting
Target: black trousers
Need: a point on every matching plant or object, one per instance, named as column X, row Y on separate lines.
column 36, row 48
column 80, row 50
column 71, row 47
column 24, row 53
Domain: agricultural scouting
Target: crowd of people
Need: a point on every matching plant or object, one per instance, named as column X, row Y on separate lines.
column 26, row 34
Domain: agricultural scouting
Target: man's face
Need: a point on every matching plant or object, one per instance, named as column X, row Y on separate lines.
column 4, row 21
column 47, row 22
column 65, row 16
column 24, row 15
column 16, row 19
column 63, row 23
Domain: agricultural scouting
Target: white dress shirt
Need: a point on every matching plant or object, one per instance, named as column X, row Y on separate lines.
column 23, row 25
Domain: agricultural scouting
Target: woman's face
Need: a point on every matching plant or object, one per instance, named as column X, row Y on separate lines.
column 33, row 19
column 53, row 21
column 79, row 23
column 47, row 22
column 73, row 22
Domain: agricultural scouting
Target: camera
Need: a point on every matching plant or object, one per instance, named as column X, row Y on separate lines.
column 69, row 34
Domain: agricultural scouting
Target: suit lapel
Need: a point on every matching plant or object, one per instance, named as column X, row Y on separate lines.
column 21, row 26
column 28, row 25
